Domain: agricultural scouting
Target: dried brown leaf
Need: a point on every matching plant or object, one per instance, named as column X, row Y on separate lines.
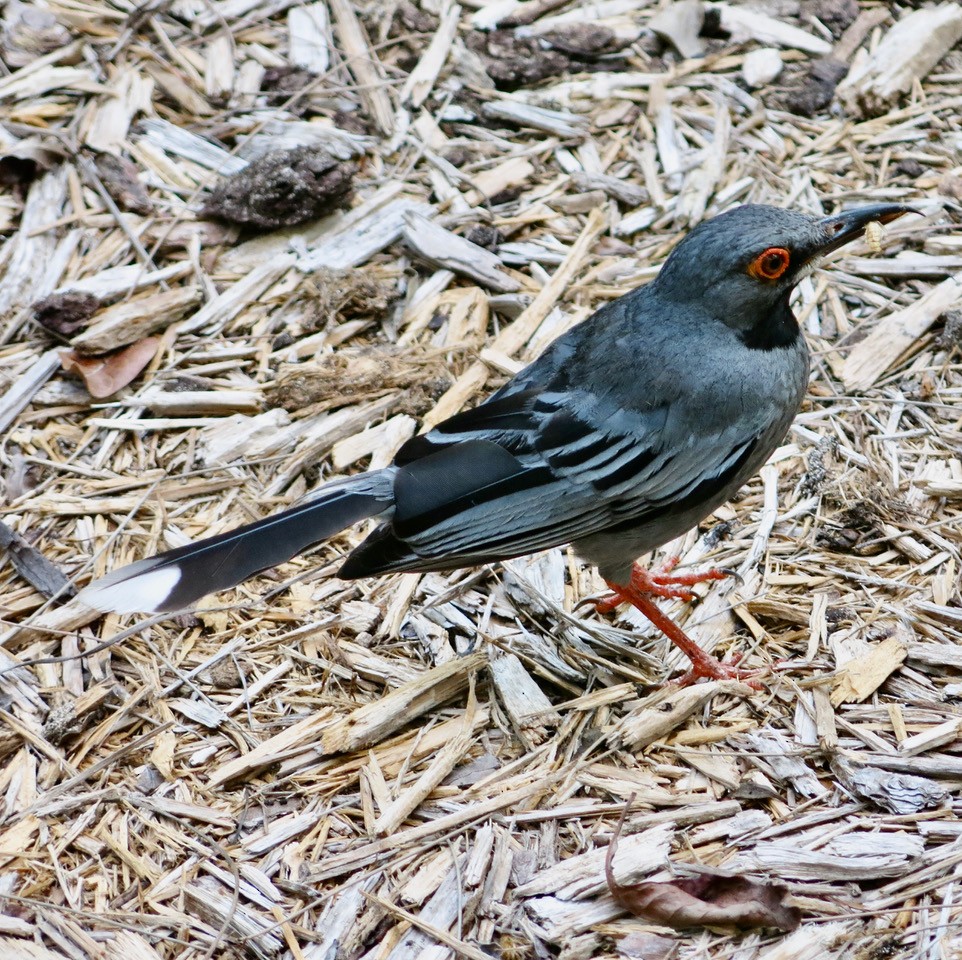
column 707, row 900
column 105, row 375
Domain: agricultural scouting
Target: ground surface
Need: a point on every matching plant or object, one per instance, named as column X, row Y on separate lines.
column 433, row 766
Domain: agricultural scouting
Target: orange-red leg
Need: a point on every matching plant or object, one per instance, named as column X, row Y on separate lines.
column 638, row 592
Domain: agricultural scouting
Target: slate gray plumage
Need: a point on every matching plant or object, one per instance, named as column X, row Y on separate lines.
column 626, row 432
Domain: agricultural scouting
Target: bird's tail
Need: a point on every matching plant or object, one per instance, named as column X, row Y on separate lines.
column 174, row 580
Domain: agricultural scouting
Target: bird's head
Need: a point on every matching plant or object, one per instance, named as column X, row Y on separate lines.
column 744, row 263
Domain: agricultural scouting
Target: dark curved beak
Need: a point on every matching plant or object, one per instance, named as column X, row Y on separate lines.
column 844, row 227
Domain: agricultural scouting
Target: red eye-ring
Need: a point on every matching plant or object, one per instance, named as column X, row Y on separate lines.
column 770, row 264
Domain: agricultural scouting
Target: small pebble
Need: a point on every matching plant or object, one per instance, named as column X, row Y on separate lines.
column 761, row 67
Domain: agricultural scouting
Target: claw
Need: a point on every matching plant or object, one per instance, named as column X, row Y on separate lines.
column 610, row 603
column 733, row 573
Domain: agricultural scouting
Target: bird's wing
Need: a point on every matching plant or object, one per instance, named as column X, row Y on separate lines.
column 536, row 468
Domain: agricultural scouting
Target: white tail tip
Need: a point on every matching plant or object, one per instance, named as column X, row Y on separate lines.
column 125, row 591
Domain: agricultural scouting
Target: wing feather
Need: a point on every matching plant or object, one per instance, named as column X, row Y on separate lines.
column 560, row 475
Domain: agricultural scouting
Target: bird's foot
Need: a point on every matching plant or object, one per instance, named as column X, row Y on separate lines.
column 660, row 583
column 638, row 592
column 708, row 667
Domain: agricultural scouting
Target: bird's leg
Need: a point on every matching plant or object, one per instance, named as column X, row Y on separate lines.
column 638, row 593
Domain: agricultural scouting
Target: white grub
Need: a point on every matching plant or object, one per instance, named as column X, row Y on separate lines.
column 874, row 232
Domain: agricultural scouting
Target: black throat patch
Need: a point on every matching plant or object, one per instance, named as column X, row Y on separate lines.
column 776, row 329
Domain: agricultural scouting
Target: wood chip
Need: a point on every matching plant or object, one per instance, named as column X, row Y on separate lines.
column 422, row 78
column 446, row 250
column 906, row 54
column 135, row 319
column 651, row 722
column 372, row 722
column 745, row 24
column 363, row 63
column 861, row 677
column 898, row 333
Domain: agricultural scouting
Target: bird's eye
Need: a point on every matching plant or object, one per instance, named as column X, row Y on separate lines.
column 770, row 264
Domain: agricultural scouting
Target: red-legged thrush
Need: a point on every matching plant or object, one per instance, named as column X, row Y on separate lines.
column 626, row 432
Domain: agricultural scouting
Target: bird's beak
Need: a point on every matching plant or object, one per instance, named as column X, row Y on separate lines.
column 844, row 227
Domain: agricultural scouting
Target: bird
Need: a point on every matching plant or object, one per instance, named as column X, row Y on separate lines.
column 626, row 432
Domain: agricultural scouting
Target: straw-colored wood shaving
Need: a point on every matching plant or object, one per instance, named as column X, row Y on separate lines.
column 432, row 766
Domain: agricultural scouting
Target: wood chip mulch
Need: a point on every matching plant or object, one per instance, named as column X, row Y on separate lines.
column 247, row 247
